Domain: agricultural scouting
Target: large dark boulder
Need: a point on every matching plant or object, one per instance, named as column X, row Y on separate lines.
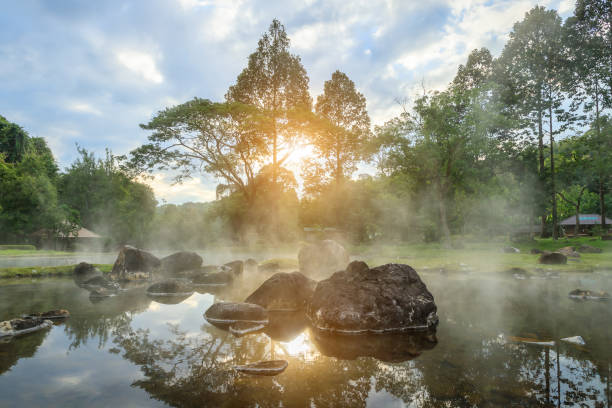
column 322, row 258
column 180, row 262
column 85, row 271
column 224, row 314
column 388, row 298
column 133, row 260
column 552, row 258
column 284, row 291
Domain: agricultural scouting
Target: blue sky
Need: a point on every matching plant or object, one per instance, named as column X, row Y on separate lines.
column 90, row 72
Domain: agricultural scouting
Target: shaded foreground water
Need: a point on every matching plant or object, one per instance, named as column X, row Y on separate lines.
column 130, row 350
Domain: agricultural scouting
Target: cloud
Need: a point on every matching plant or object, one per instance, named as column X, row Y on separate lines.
column 140, row 63
column 194, row 189
column 90, row 73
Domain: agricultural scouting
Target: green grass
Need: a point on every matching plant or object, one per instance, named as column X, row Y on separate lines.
column 44, row 271
column 484, row 257
column 32, row 252
column 20, row 247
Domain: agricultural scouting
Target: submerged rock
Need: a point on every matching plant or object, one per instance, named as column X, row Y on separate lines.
column 322, row 258
column 388, row 298
column 391, row 348
column 589, row 294
column 569, row 251
column 284, row 291
column 552, row 258
column 268, row 368
column 170, row 287
column 58, row 314
column 17, row 327
column 224, row 314
column 588, row 249
column 240, row 329
column 132, row 260
column 99, row 294
column 180, row 262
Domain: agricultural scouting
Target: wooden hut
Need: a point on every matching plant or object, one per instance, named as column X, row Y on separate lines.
column 587, row 222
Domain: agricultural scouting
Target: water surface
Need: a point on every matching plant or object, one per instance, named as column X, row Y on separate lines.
column 131, row 351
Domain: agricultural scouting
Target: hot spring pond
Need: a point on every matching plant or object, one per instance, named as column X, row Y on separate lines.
column 131, row 351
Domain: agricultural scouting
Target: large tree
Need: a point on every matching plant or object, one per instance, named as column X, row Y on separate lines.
column 532, row 63
column 343, row 129
column 276, row 83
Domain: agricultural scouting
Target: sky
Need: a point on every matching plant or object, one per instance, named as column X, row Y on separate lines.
column 89, row 72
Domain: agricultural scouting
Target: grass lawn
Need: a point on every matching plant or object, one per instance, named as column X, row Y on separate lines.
column 43, row 271
column 32, row 253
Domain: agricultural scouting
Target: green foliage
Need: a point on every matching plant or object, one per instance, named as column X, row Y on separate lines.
column 107, row 200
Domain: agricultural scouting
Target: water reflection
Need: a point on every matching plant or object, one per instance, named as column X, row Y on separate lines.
column 133, row 350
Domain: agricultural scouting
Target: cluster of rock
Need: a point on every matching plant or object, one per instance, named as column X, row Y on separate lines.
column 561, row 255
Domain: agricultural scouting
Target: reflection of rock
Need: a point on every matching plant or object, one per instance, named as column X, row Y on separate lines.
column 393, row 348
column 99, row 294
column 132, row 260
column 322, row 258
column 224, row 314
column 58, row 314
column 18, row 327
column 12, row 349
column 283, row 291
column 100, row 282
column 552, row 258
column 388, row 298
column 273, row 367
column 180, row 262
column 170, row 287
column 168, row 299
column 285, row 326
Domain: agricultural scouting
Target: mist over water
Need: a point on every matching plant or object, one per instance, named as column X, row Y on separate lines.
column 132, row 350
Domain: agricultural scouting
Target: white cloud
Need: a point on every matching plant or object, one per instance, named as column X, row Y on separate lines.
column 140, row 63
column 83, row 107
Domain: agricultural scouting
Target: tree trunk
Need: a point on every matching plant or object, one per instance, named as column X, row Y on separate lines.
column 541, row 161
column 552, row 175
column 602, row 205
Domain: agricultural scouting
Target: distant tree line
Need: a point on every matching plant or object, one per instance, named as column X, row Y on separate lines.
column 38, row 201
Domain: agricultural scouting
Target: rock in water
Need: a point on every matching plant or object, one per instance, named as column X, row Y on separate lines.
column 224, row 314
column 132, row 260
column 100, row 282
column 552, row 258
column 273, row 367
column 180, row 262
column 17, row 327
column 587, row 249
column 322, row 258
column 250, row 266
column 589, row 294
column 240, row 329
column 218, row 278
column 578, row 340
column 385, row 299
column 284, row 291
column 85, row 271
column 170, row 287
column 236, row 267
